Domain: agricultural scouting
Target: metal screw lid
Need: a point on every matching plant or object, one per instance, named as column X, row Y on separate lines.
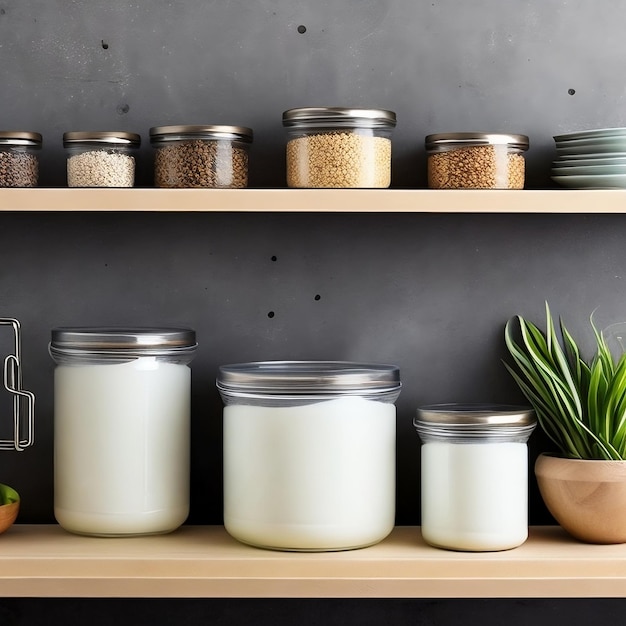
column 320, row 116
column 121, row 341
column 448, row 421
column 176, row 133
column 476, row 414
column 102, row 137
column 308, row 377
column 482, row 139
column 20, row 138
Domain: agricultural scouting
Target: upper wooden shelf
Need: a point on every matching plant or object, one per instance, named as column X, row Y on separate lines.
column 316, row 200
column 204, row 561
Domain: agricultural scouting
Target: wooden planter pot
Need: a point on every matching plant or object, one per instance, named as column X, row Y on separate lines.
column 586, row 497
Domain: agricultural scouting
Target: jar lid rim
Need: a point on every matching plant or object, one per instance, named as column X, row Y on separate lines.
column 306, row 376
column 212, row 131
column 482, row 138
column 463, row 415
column 20, row 137
column 102, row 136
column 316, row 115
column 136, row 339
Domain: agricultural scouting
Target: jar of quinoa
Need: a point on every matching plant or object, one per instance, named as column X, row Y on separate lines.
column 336, row 147
column 19, row 163
column 201, row 156
column 476, row 161
column 100, row 158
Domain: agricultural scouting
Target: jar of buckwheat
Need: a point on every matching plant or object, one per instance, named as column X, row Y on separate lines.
column 19, row 163
column 476, row 161
column 336, row 147
column 213, row 156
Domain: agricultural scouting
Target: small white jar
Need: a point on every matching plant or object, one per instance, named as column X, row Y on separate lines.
column 121, row 429
column 474, row 477
column 309, row 453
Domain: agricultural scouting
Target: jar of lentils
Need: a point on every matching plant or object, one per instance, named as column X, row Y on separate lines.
column 476, row 161
column 100, row 158
column 19, row 163
column 201, row 156
column 336, row 147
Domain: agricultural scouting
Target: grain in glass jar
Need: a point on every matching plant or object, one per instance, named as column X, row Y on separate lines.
column 19, row 163
column 474, row 475
column 476, row 161
column 336, row 147
column 122, row 401
column 309, row 453
column 100, row 158
column 201, row 156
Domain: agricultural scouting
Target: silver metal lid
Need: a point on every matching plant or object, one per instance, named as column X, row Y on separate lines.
column 308, row 377
column 128, row 342
column 463, row 423
column 492, row 415
column 176, row 133
column 317, row 116
column 483, row 139
column 20, row 138
column 103, row 137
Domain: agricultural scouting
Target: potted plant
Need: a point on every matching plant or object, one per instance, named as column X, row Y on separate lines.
column 581, row 406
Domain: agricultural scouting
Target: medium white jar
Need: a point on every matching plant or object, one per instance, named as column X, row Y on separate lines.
column 121, row 429
column 474, row 476
column 309, row 453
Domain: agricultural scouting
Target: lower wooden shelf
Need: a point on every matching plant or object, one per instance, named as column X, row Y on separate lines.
column 204, row 561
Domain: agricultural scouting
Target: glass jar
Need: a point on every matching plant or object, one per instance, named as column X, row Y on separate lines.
column 121, row 429
column 338, row 148
column 474, row 476
column 476, row 161
column 19, row 161
column 201, row 156
column 100, row 159
column 309, row 453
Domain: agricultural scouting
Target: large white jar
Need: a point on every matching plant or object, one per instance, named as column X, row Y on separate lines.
column 309, row 453
column 121, row 429
column 474, row 477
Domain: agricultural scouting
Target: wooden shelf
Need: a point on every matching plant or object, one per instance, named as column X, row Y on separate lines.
column 315, row 200
column 204, row 561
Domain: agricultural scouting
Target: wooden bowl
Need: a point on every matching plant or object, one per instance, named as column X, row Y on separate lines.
column 586, row 497
column 10, row 508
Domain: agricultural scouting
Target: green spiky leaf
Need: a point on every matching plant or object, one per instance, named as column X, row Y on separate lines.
column 580, row 405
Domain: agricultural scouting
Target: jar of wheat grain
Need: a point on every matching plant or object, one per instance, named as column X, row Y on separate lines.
column 336, row 147
column 476, row 161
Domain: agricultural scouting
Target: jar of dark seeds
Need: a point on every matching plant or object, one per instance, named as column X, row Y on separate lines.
column 19, row 163
column 201, row 156
column 338, row 147
column 101, row 158
column 476, row 161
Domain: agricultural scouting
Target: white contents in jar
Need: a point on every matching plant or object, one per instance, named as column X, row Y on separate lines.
column 121, row 447
column 101, row 168
column 475, row 496
column 313, row 477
